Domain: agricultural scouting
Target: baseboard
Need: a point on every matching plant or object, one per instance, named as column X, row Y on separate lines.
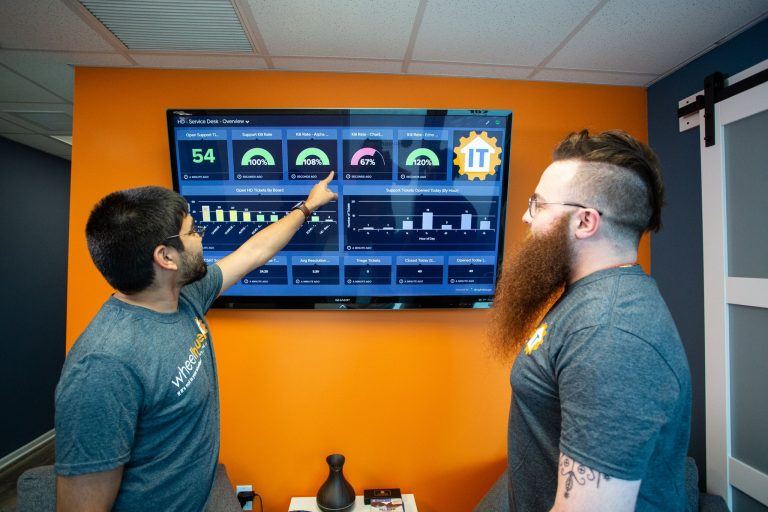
column 28, row 450
column 36, row 452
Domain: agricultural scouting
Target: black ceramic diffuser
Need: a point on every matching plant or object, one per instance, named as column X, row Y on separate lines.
column 336, row 494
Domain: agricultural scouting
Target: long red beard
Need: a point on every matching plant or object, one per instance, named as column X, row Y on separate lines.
column 530, row 283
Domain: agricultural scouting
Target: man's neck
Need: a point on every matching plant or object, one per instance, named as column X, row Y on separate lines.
column 161, row 299
column 596, row 259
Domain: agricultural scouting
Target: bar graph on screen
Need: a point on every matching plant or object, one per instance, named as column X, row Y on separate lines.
column 231, row 221
column 426, row 223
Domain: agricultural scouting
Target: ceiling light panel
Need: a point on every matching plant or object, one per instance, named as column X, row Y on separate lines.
column 172, row 25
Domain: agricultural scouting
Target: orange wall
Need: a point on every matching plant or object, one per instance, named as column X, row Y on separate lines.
column 296, row 386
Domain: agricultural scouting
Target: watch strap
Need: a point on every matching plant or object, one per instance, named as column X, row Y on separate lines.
column 303, row 207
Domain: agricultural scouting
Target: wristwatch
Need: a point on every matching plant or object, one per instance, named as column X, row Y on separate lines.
column 303, row 207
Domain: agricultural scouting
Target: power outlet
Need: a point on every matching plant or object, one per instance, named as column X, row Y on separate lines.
column 243, row 488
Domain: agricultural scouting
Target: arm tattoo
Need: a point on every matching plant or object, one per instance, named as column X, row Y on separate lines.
column 577, row 473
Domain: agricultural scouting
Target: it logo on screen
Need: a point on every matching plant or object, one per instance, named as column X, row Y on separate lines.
column 477, row 156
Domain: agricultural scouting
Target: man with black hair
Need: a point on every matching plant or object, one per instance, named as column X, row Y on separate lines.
column 137, row 405
column 600, row 412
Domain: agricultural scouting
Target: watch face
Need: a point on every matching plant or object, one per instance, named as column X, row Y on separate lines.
column 297, row 205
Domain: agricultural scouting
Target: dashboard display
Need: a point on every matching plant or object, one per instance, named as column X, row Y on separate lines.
column 418, row 223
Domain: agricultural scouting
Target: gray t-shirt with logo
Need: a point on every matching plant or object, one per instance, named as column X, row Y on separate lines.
column 139, row 389
column 605, row 381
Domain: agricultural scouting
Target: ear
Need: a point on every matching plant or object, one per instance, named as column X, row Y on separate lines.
column 589, row 223
column 165, row 257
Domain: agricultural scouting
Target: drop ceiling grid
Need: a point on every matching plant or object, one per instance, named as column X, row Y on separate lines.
column 53, row 122
column 41, row 70
column 468, row 70
column 580, row 76
column 337, row 65
column 48, row 25
column 478, row 33
column 68, row 58
column 374, row 29
column 9, row 126
column 161, row 60
column 657, row 34
column 17, row 88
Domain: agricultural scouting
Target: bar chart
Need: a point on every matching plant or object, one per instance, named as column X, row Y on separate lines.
column 230, row 221
column 392, row 223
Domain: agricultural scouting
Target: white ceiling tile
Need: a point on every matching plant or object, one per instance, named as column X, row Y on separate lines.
column 52, row 74
column 343, row 28
column 8, row 126
column 46, row 25
column 43, row 143
column 159, row 60
column 654, row 36
column 593, row 77
column 338, row 65
column 471, row 70
column 518, row 33
column 14, row 87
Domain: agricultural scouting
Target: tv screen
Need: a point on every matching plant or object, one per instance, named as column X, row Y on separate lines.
column 419, row 221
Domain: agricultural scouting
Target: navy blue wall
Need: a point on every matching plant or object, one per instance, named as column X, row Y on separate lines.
column 34, row 207
column 676, row 252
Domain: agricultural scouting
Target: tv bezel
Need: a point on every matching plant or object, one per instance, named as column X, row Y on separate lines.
column 353, row 302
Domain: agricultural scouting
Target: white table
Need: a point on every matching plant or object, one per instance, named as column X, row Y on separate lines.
column 310, row 504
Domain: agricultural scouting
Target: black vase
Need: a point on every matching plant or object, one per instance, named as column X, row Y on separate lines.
column 335, row 494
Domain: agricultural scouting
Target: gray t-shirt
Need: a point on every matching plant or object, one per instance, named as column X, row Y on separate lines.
column 605, row 381
column 139, row 389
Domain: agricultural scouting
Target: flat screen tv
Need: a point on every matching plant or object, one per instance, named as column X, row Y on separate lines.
column 419, row 222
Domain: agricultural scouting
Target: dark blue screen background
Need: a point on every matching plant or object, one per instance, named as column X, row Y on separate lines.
column 399, row 231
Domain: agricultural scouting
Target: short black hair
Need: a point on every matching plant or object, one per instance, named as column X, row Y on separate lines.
column 619, row 175
column 124, row 228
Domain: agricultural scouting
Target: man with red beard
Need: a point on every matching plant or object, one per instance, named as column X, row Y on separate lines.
column 600, row 412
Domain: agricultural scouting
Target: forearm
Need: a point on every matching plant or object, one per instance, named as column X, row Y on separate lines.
column 94, row 492
column 259, row 249
column 583, row 489
column 263, row 245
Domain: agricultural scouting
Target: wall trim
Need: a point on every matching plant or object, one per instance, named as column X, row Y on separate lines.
column 27, row 450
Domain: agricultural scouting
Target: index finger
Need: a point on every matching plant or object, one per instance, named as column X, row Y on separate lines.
column 329, row 177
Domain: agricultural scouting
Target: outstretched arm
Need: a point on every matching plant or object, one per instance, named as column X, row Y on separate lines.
column 262, row 246
column 583, row 489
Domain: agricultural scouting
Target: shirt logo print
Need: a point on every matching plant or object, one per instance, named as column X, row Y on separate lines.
column 535, row 341
column 201, row 326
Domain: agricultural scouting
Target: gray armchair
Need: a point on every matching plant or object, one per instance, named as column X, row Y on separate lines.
column 36, row 491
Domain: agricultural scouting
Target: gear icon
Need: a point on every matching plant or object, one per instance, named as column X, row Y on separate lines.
column 477, row 156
